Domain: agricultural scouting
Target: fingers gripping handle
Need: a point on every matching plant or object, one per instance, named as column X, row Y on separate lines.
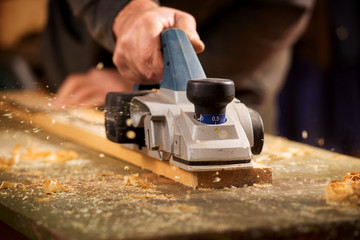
column 180, row 60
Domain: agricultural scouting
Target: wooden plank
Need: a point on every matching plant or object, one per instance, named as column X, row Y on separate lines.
column 103, row 206
column 35, row 108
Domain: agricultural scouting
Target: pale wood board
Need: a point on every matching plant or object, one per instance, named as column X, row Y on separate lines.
column 35, row 108
column 103, row 206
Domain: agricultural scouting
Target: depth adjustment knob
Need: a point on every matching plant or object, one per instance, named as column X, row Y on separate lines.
column 210, row 97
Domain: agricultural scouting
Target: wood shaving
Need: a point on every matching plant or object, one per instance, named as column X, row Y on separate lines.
column 136, row 181
column 352, row 177
column 6, row 185
column 345, row 192
column 169, row 195
column 53, row 186
column 62, row 156
column 5, row 164
column 32, row 154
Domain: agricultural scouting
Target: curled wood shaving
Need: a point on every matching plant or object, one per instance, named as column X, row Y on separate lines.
column 6, row 184
column 136, row 181
column 346, row 191
column 169, row 195
column 132, row 180
column 352, row 177
column 62, row 156
column 53, row 186
column 31, row 153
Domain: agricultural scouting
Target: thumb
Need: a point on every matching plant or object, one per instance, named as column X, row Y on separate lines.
column 187, row 23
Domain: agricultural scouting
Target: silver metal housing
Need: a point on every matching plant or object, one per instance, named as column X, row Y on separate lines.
column 171, row 128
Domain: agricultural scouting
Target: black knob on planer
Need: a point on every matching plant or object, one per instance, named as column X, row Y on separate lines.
column 210, row 97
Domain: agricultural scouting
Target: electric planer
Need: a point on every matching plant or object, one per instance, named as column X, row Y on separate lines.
column 192, row 121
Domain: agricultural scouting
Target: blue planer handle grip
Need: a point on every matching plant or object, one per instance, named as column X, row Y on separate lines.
column 181, row 63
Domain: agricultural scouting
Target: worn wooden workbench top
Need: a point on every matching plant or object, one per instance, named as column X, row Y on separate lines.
column 103, row 198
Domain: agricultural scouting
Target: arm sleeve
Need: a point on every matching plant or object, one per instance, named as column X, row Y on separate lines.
column 98, row 16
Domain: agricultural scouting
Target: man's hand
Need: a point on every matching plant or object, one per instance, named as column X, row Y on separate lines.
column 89, row 89
column 137, row 29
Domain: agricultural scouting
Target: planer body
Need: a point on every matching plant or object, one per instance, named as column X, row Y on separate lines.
column 194, row 122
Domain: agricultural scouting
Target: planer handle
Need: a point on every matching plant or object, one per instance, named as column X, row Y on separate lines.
column 181, row 63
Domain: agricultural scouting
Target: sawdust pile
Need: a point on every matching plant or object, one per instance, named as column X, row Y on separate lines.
column 105, row 185
column 33, row 154
column 48, row 187
column 345, row 192
column 135, row 181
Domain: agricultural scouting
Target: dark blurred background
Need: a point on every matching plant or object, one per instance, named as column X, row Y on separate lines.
column 319, row 103
column 21, row 25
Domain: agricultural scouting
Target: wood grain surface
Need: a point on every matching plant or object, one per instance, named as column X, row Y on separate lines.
column 112, row 199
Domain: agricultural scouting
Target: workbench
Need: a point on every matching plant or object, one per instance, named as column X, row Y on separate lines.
column 107, row 198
